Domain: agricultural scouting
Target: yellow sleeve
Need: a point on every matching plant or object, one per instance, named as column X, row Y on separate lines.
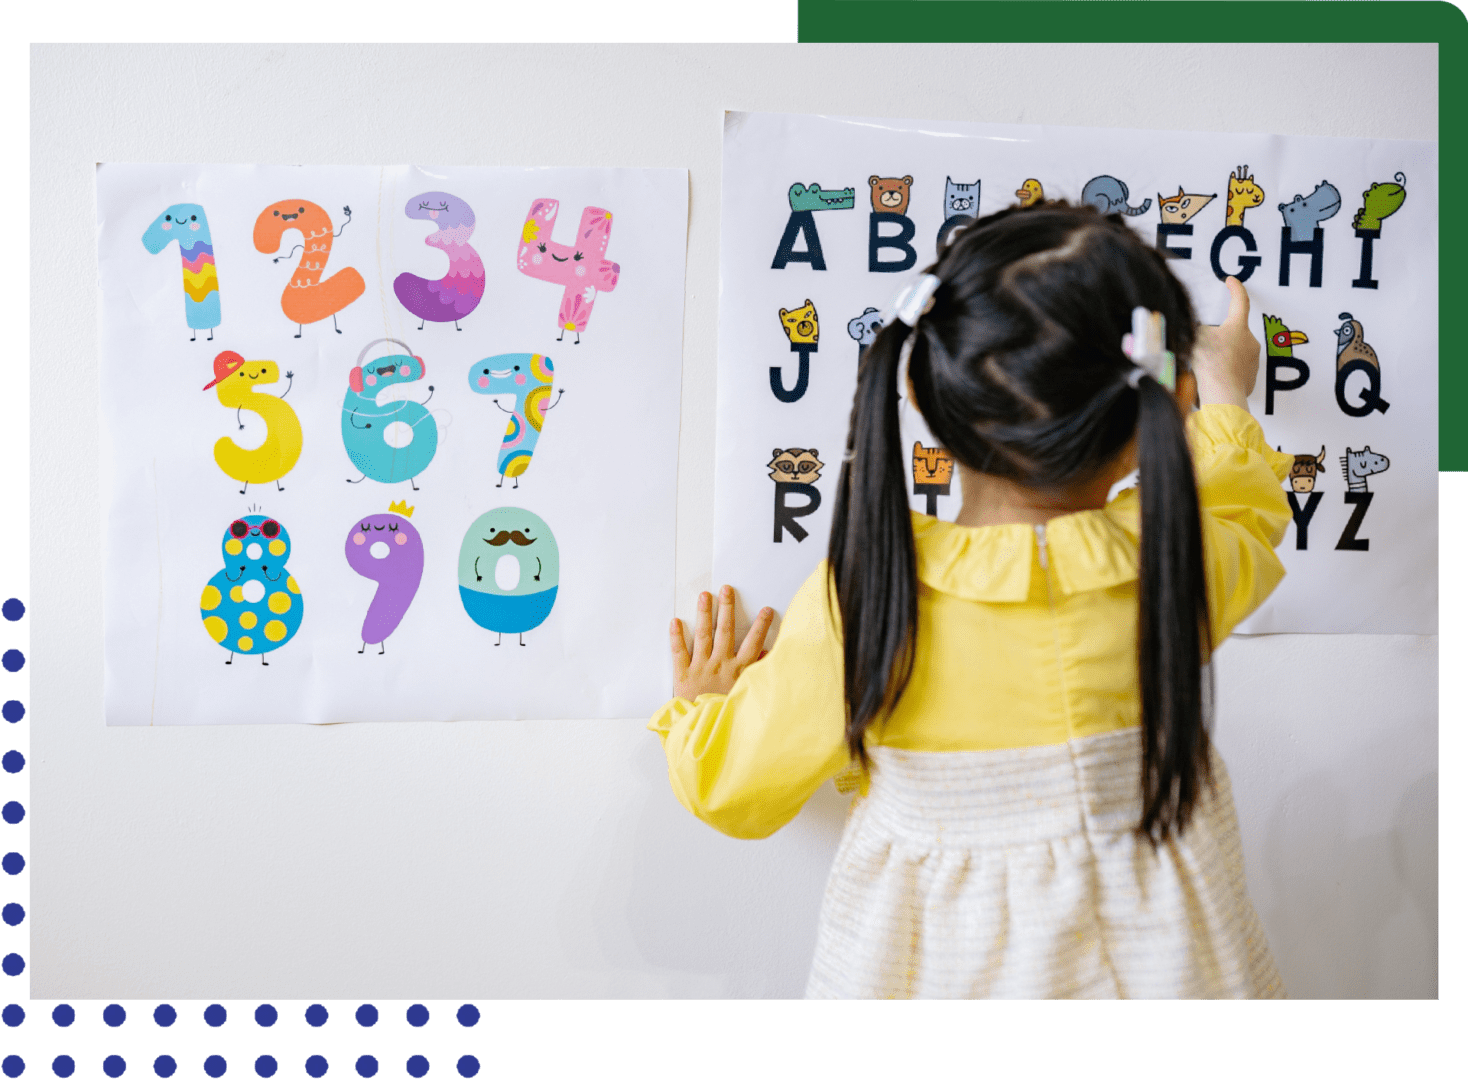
column 746, row 762
column 1245, row 511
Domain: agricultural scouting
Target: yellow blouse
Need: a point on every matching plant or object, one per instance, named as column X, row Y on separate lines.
column 1026, row 637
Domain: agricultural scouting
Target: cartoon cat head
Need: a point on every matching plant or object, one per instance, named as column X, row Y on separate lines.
column 960, row 198
column 801, row 326
column 795, row 466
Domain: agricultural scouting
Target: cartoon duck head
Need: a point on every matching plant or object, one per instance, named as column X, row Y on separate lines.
column 1029, row 193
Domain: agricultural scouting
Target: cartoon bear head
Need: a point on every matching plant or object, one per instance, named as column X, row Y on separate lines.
column 889, row 195
column 801, row 325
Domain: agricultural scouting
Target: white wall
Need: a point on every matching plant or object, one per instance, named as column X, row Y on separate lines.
column 551, row 859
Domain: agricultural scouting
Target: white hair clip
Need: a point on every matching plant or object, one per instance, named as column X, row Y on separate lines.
column 915, row 300
column 1146, row 346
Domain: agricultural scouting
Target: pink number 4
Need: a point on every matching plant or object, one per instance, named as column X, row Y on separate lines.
column 579, row 267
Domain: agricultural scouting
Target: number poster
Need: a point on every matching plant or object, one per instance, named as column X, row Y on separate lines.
column 826, row 219
column 388, row 443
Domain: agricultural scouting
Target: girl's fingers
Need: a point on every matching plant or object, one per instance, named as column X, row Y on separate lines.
column 1238, row 302
column 703, row 628
column 724, row 631
column 681, row 659
column 754, row 641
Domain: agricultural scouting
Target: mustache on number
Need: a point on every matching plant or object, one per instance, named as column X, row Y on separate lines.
column 501, row 538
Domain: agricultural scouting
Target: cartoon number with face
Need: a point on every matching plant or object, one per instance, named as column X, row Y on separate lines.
column 387, row 549
column 309, row 297
column 252, row 605
column 237, row 380
column 580, row 268
column 186, row 223
column 457, row 293
column 509, row 571
column 528, row 377
column 389, row 440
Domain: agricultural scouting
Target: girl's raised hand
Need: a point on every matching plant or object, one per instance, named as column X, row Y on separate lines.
column 1226, row 357
column 714, row 663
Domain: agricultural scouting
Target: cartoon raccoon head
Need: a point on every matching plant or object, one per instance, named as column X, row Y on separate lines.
column 795, row 466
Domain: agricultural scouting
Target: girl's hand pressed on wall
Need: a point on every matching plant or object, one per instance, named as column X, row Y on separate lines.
column 714, row 664
column 1225, row 358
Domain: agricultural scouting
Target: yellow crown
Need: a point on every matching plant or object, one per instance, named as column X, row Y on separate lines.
column 401, row 507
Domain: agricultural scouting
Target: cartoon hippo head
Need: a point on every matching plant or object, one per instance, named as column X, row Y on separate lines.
column 863, row 329
column 444, row 210
column 371, row 378
column 256, row 542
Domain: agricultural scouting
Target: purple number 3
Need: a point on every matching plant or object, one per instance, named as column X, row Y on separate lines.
column 580, row 267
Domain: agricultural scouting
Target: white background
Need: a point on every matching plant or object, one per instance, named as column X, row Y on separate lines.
column 550, row 858
column 603, row 476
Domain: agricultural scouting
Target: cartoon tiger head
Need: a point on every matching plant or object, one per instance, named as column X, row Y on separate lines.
column 931, row 465
column 795, row 466
column 801, row 326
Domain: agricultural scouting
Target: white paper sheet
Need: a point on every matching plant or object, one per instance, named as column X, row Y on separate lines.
column 1384, row 578
column 601, row 479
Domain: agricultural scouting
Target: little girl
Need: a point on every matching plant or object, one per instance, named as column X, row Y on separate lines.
column 1042, row 813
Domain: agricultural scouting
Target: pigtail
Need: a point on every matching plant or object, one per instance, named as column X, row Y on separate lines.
column 871, row 558
column 1173, row 635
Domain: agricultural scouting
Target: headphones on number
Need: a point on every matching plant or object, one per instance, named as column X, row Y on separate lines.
column 359, row 382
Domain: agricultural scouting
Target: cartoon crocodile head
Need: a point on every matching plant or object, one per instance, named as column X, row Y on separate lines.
column 813, row 198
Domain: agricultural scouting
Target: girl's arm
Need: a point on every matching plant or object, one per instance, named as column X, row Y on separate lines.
column 749, row 742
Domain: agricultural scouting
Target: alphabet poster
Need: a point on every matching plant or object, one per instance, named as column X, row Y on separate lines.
column 388, row 443
column 826, row 219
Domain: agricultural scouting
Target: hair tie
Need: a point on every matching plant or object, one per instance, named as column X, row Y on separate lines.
column 915, row 301
column 1146, row 347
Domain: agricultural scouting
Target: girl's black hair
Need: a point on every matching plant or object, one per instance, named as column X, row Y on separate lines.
column 1017, row 369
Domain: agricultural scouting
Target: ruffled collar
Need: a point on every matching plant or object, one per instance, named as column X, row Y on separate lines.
column 1089, row 549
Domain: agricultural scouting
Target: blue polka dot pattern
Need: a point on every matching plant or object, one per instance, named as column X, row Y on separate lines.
column 13, row 660
column 13, row 610
column 13, row 914
column 316, row 1065
column 215, row 1015
column 468, row 1065
column 366, row 1065
column 266, row 1016
column 164, row 1016
column 215, row 1065
column 367, row 1015
column 14, row 711
column 14, row 862
column 13, row 964
column 417, row 1066
column 13, row 813
column 63, row 1065
column 63, row 1015
column 14, row 1016
column 265, row 1065
column 13, row 1065
column 468, row 1015
column 114, row 1066
column 417, row 1015
column 164, row 1065
column 13, row 761
column 316, row 1015
column 114, row 1015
